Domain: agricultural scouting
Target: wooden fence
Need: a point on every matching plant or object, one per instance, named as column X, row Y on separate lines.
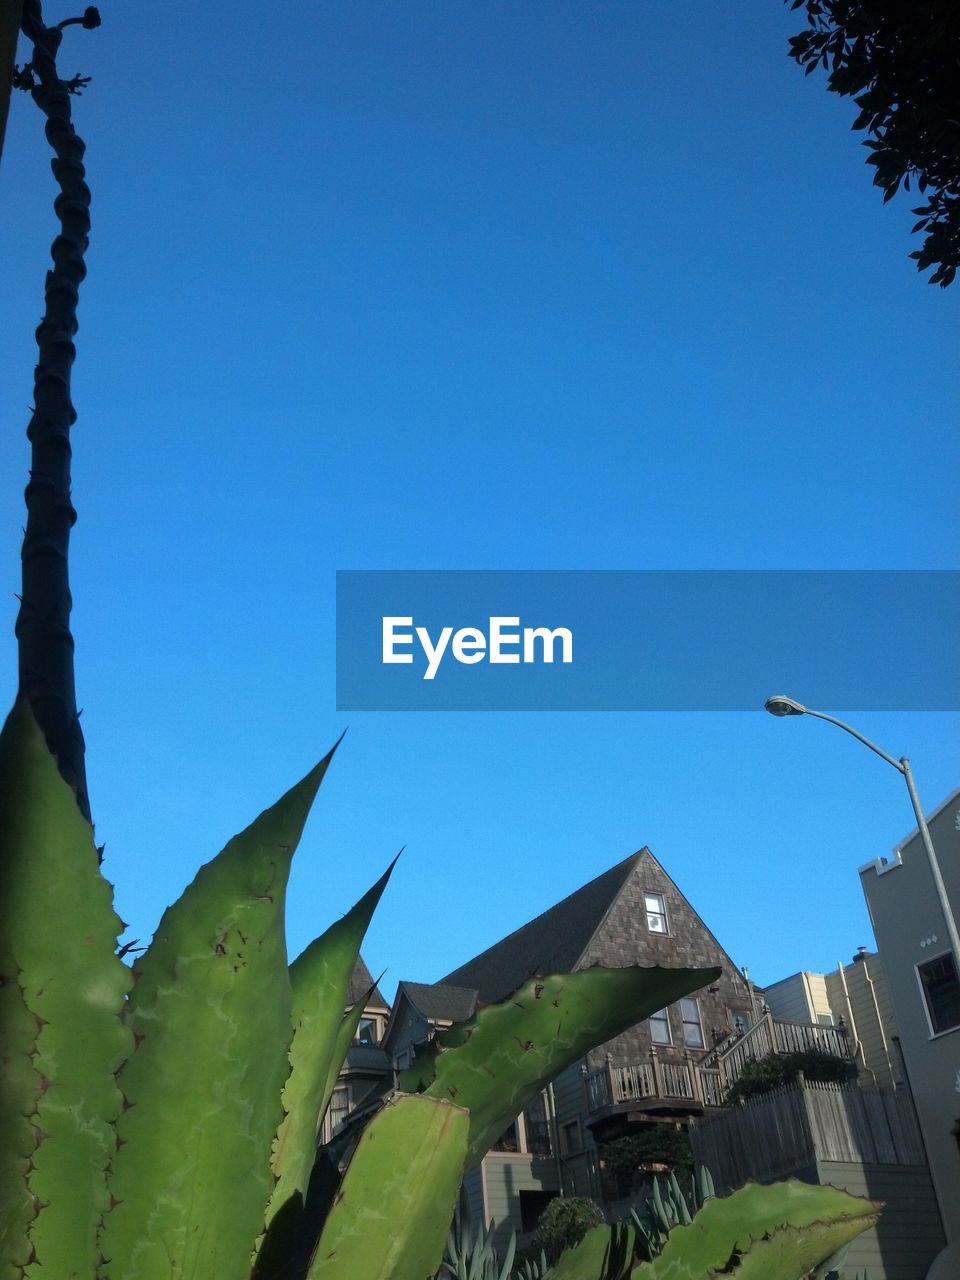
column 792, row 1127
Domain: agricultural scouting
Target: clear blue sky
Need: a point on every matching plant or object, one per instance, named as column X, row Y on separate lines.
column 475, row 285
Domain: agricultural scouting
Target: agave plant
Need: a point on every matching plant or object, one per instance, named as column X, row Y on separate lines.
column 471, row 1254
column 667, row 1207
column 162, row 1121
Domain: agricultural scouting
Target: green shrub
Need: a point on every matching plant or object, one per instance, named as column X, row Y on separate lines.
column 765, row 1074
column 564, row 1223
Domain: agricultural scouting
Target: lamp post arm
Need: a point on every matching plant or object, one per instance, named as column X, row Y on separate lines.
column 822, row 715
column 932, row 859
column 788, row 706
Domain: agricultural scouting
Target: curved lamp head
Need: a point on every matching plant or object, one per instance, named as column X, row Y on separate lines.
column 780, row 705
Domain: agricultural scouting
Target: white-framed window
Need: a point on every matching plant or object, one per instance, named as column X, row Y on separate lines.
column 940, row 987
column 660, row 1028
column 692, row 1024
column 656, row 912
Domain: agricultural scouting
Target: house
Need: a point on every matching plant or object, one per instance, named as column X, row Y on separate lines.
column 669, row 1069
column 922, row 976
column 664, row 1070
column 420, row 1010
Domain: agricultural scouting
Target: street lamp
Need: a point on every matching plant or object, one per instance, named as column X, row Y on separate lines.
column 783, row 706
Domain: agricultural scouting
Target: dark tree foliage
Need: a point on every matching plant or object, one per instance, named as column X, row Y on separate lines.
column 629, row 1157
column 900, row 62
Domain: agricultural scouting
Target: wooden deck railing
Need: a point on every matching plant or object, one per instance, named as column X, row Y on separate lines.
column 613, row 1084
column 770, row 1036
column 705, row 1081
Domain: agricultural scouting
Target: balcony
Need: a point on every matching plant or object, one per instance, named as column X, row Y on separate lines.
column 657, row 1086
column 691, row 1087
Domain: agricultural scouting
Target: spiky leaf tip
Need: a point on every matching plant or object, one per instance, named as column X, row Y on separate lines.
column 210, row 1009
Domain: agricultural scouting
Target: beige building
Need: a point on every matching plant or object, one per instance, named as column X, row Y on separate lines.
column 924, row 985
column 854, row 996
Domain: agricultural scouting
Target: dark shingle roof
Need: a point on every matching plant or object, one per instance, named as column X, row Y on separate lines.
column 440, row 1002
column 552, row 943
column 360, row 984
column 367, row 1057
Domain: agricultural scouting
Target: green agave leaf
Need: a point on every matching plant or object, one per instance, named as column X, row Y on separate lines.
column 790, row 1253
column 604, row 1253
column 61, row 991
column 320, row 984
column 391, row 1217
column 210, row 1010
column 345, row 1037
column 736, row 1223
column 494, row 1064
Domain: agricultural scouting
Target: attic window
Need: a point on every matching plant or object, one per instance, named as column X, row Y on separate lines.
column 656, row 912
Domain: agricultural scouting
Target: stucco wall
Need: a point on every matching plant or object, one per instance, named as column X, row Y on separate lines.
column 908, row 924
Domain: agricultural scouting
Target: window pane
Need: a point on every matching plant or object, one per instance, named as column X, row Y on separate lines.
column 509, row 1140
column 537, row 1127
column 367, row 1031
column 941, row 991
column 570, row 1137
column 656, row 912
column 339, row 1107
column 660, row 1028
column 692, row 1028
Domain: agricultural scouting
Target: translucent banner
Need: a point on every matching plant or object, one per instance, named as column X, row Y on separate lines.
column 650, row 640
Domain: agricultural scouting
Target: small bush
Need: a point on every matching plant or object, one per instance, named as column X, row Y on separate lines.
column 564, row 1223
column 765, row 1074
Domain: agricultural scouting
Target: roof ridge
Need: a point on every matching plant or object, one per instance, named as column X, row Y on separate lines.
column 535, row 944
column 635, row 859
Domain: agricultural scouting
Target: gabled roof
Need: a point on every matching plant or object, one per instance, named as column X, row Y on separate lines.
column 555, row 942
column 438, row 1002
column 360, row 983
